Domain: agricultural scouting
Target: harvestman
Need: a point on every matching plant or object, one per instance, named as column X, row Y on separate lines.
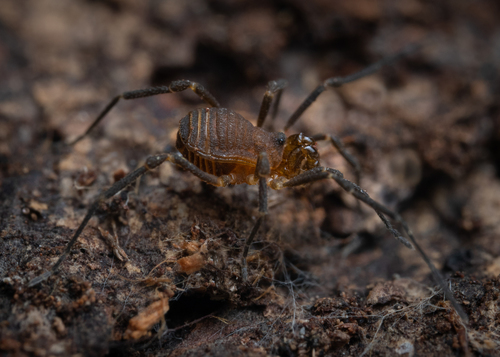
column 222, row 148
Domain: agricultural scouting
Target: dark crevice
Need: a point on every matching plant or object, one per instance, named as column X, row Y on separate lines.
column 431, row 179
column 494, row 148
column 189, row 307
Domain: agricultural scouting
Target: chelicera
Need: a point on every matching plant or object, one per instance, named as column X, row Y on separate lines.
column 222, row 148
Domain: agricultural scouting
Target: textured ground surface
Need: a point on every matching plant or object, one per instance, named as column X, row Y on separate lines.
column 325, row 278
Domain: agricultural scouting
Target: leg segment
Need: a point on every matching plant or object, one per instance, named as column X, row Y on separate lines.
column 274, row 88
column 337, row 143
column 179, row 160
column 175, row 86
column 261, row 171
column 338, row 81
column 320, row 173
column 151, row 163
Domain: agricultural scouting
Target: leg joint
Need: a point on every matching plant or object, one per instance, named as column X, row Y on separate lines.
column 263, row 168
column 179, row 86
column 225, row 181
column 154, row 161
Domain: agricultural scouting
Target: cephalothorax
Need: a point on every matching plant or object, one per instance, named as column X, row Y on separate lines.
column 222, row 148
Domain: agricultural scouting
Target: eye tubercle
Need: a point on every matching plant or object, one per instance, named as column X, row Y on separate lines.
column 281, row 139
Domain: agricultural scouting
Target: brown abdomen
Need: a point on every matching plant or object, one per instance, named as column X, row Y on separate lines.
column 216, row 140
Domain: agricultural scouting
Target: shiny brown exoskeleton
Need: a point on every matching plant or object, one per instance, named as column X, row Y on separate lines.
column 221, row 142
column 222, row 148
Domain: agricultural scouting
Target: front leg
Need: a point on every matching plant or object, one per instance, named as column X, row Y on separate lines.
column 320, row 173
column 339, row 145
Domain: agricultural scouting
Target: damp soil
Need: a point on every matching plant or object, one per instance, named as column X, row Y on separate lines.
column 325, row 278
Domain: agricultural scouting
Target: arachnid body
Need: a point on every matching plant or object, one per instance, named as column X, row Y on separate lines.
column 222, row 148
column 222, row 143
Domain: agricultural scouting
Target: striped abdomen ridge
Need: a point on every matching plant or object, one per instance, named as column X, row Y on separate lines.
column 211, row 136
column 208, row 166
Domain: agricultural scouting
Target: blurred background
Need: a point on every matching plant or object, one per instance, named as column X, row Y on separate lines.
column 426, row 131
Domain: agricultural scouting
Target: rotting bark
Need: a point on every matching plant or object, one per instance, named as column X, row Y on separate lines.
column 325, row 278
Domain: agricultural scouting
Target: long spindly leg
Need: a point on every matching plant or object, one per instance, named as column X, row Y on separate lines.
column 262, row 171
column 336, row 82
column 274, row 88
column 175, row 86
column 320, row 173
column 151, row 163
column 339, row 145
